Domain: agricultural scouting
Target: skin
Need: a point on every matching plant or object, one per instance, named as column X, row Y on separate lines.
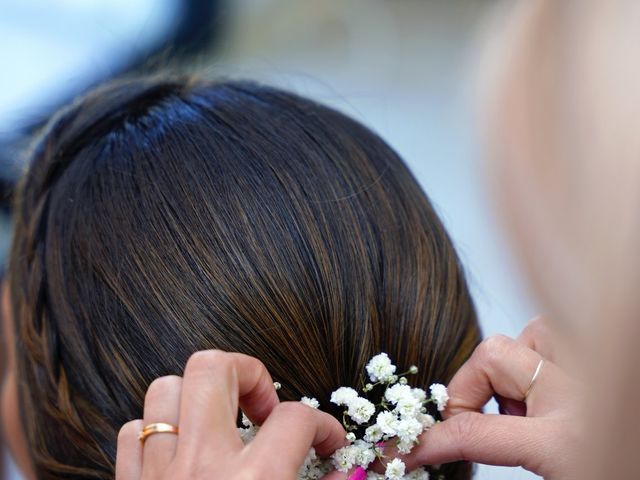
column 10, row 416
column 542, row 424
column 537, row 429
column 226, row 380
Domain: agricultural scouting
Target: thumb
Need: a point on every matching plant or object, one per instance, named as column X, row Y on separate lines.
column 482, row 438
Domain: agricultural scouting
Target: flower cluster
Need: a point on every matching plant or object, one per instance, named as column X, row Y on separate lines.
column 397, row 419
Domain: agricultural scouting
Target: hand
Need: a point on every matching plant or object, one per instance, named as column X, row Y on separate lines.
column 537, row 432
column 204, row 405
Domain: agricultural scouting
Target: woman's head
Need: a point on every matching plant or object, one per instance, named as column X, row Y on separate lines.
column 164, row 216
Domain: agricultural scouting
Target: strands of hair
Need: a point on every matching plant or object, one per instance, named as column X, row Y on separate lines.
column 161, row 216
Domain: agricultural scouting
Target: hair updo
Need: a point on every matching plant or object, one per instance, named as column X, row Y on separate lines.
column 161, row 216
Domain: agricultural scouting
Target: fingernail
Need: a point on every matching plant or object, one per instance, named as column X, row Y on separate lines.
column 359, row 474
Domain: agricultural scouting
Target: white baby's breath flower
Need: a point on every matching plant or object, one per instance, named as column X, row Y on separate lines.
column 350, row 437
column 365, row 453
column 395, row 470
column 404, row 446
column 343, row 396
column 408, row 406
column 247, row 434
column 313, row 468
column 374, row 476
column 360, row 410
column 373, row 433
column 417, row 474
column 344, row 458
column 419, row 394
column 387, row 422
column 409, row 429
column 426, row 420
column 396, row 392
column 311, row 402
column 380, row 368
column 309, row 459
column 439, row 395
column 245, row 421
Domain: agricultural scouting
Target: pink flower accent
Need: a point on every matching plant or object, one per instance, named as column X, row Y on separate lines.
column 359, row 474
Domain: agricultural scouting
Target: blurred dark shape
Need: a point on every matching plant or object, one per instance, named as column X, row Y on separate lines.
column 10, row 169
column 196, row 30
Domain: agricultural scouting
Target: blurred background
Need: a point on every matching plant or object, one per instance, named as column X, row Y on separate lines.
column 403, row 67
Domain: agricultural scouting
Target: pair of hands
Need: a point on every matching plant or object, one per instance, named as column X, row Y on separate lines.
column 536, row 433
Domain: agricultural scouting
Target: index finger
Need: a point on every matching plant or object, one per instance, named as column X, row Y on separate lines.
column 288, row 434
column 215, row 384
column 488, row 439
column 537, row 335
column 499, row 365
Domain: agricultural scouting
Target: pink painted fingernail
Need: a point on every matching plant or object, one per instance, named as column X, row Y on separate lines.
column 359, row 474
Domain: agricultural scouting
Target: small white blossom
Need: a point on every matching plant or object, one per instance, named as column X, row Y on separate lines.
column 311, row 402
column 417, row 474
column 408, row 407
column 419, row 394
column 397, row 392
column 380, row 368
column 365, row 453
column 409, row 429
column 439, row 395
column 360, row 410
column 373, row 433
column 374, row 476
column 313, row 468
column 426, row 420
column 395, row 469
column 344, row 458
column 247, row 434
column 350, row 436
column 413, row 369
column 404, row 446
column 387, row 422
column 245, row 421
column 343, row 396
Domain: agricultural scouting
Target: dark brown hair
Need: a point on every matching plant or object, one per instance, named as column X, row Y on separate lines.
column 161, row 216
